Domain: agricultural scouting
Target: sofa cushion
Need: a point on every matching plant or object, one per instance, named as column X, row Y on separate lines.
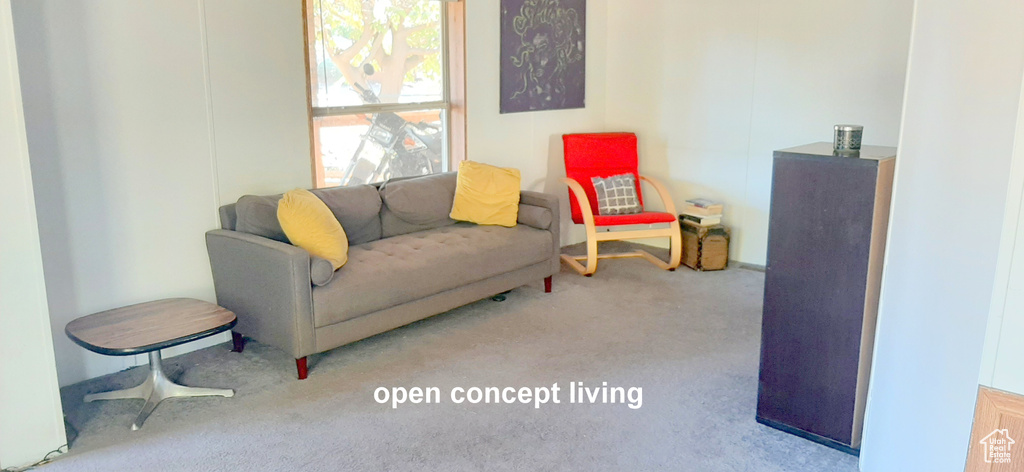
column 417, row 204
column 357, row 208
column 258, row 215
column 392, row 271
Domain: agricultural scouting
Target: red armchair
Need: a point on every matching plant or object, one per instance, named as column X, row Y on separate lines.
column 605, row 155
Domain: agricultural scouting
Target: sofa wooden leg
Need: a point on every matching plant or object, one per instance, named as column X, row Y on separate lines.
column 547, row 284
column 300, row 365
column 237, row 341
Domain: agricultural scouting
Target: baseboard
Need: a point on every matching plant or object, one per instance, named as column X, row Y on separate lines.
column 809, row 436
column 746, row 265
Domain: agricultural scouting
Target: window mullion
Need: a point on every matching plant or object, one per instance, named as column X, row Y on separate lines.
column 378, row 108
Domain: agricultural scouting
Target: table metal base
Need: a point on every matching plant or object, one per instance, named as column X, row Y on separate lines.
column 155, row 389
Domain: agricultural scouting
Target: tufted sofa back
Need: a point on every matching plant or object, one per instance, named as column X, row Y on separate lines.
column 367, row 212
column 417, row 204
column 357, row 208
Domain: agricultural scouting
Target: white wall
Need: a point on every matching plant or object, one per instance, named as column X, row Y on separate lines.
column 31, row 421
column 258, row 96
column 963, row 91
column 712, row 88
column 142, row 118
column 1003, row 358
column 531, row 142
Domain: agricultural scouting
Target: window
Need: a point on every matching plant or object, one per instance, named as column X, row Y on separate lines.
column 385, row 82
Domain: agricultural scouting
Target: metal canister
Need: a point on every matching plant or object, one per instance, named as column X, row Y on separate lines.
column 848, row 138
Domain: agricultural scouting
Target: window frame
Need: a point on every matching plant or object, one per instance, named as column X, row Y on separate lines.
column 453, row 27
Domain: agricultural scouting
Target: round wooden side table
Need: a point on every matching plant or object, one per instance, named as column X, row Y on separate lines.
column 148, row 328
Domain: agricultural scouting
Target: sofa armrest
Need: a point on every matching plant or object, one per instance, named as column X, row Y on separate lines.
column 540, row 199
column 267, row 284
column 534, row 216
column 552, row 205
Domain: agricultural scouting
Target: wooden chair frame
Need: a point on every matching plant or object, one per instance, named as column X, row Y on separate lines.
column 593, row 237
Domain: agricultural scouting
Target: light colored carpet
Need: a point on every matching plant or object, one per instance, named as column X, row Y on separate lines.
column 689, row 339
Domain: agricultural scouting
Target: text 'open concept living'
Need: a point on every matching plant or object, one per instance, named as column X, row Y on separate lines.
column 578, row 393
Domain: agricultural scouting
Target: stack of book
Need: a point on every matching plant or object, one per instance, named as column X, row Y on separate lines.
column 702, row 212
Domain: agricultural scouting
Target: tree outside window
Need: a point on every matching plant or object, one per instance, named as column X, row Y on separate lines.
column 379, row 89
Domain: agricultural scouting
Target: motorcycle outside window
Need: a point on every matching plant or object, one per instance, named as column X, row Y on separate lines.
column 379, row 89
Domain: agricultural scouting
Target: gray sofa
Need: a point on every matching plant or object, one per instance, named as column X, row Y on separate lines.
column 407, row 261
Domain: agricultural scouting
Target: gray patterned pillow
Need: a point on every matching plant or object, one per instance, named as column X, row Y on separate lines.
column 616, row 195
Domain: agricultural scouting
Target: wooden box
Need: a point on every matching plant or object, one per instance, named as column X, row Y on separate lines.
column 705, row 247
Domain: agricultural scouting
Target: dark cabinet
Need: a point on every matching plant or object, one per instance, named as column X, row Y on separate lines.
column 826, row 239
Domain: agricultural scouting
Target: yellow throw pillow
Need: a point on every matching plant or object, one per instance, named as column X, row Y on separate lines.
column 309, row 224
column 486, row 195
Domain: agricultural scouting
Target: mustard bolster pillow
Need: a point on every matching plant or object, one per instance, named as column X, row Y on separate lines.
column 486, row 195
column 309, row 224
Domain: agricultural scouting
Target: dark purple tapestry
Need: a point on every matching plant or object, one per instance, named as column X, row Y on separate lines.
column 543, row 56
